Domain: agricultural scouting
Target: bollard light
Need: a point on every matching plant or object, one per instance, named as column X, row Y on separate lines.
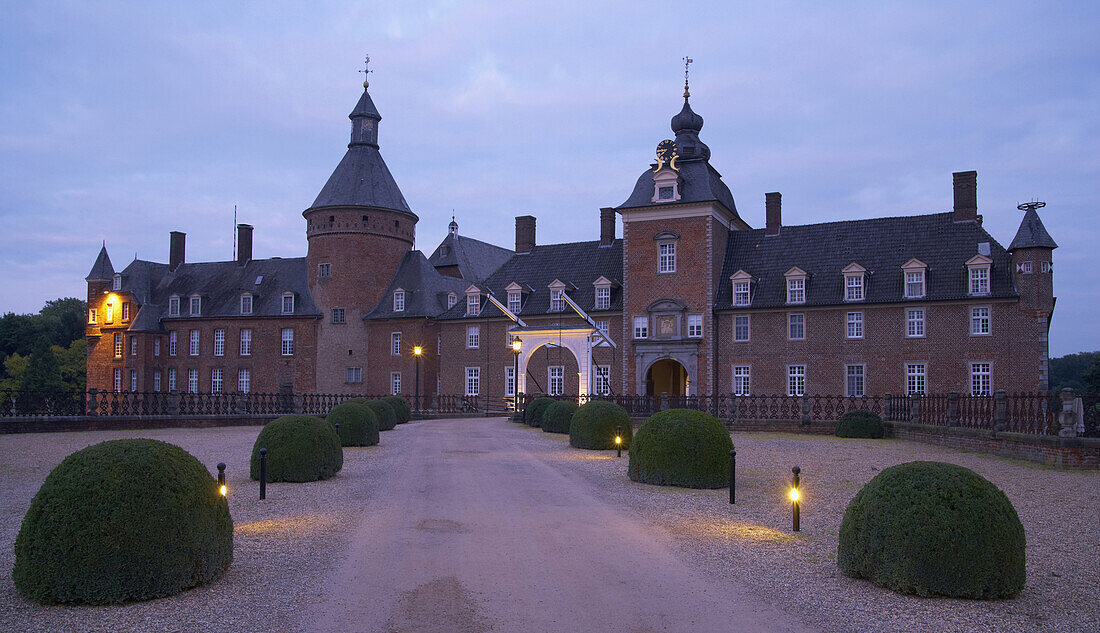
column 619, row 441
column 733, row 477
column 221, row 479
column 794, row 496
column 263, row 473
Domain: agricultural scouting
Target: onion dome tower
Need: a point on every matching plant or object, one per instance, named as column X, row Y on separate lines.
column 358, row 230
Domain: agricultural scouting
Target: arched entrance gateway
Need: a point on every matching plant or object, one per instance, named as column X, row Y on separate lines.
column 666, row 376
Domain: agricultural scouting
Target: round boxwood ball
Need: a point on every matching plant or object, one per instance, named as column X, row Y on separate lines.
column 533, row 414
column 299, row 448
column 358, row 424
column 557, row 417
column 934, row 529
column 123, row 520
column 860, row 423
column 681, row 447
column 594, row 426
column 387, row 417
column 401, row 409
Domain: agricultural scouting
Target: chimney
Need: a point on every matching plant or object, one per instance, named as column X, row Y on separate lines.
column 773, row 205
column 607, row 227
column 175, row 250
column 244, row 244
column 966, row 195
column 525, row 233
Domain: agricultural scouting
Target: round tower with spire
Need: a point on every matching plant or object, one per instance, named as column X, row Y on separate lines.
column 358, row 229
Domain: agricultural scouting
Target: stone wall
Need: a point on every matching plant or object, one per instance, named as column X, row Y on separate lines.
column 1077, row 453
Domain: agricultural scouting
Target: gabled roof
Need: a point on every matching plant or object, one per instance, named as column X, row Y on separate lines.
column 425, row 290
column 1032, row 233
column 577, row 263
column 881, row 245
column 102, row 270
column 476, row 260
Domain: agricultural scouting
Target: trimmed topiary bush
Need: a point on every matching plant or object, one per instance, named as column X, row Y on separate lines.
column 533, row 414
column 123, row 520
column 358, row 423
column 387, row 417
column 556, row 417
column 594, row 425
column 299, row 448
column 681, row 447
column 401, row 409
column 934, row 529
column 860, row 423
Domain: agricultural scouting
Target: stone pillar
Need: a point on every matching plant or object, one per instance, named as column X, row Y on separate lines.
column 887, row 406
column 953, row 408
column 1067, row 417
column 914, row 408
column 1000, row 410
column 805, row 411
column 93, row 403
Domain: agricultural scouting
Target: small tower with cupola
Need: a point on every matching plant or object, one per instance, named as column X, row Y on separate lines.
column 1033, row 271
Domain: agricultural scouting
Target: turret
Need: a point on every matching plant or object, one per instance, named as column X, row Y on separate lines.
column 1032, row 262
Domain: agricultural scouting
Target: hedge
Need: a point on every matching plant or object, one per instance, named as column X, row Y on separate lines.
column 299, row 448
column 557, row 416
column 594, row 426
column 358, row 423
column 681, row 447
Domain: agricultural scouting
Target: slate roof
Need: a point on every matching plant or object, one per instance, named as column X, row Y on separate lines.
column 362, row 179
column 220, row 284
column 1032, row 233
column 700, row 182
column 880, row 245
column 102, row 269
column 425, row 290
column 578, row 263
column 476, row 260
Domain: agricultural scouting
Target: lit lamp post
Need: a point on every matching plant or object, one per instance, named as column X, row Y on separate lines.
column 418, row 351
column 517, row 345
column 619, row 441
column 794, row 496
column 221, row 480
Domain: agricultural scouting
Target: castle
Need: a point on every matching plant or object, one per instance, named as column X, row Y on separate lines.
column 691, row 300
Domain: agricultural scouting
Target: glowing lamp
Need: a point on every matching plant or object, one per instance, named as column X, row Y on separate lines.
column 516, row 345
column 221, row 480
column 793, row 494
column 619, row 440
column 223, row 490
column 417, row 351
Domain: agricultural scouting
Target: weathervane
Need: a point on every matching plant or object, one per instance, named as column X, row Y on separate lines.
column 366, row 71
column 1031, row 206
column 687, row 60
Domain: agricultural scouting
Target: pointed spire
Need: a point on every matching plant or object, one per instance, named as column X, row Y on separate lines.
column 453, row 226
column 365, row 117
column 1032, row 233
column 102, row 270
column 687, row 93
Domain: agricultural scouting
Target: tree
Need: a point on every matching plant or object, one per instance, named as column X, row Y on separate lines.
column 14, row 366
column 72, row 361
column 41, row 381
column 63, row 320
column 1091, row 377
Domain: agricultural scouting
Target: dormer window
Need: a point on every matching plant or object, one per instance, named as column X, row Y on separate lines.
column 666, row 186
column 557, row 303
column 473, row 301
column 915, row 272
column 979, row 266
column 854, row 276
column 515, row 300
column 452, row 299
column 796, row 285
column 173, row 306
column 603, row 298
column 288, row 303
column 246, row 304
column 116, row 282
column 196, row 305
column 398, row 300
column 742, row 287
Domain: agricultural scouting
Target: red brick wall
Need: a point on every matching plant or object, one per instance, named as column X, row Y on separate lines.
column 382, row 363
column 1072, row 453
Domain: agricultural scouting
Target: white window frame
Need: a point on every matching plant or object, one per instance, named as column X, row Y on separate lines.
column 604, row 327
column 193, row 343
column 93, row 316
column 156, row 381
column 510, row 382
column 287, row 341
column 914, row 280
column 171, row 379
column 110, row 313
column 288, row 303
column 244, row 380
column 854, row 329
column 1025, row 268
column 173, row 306
column 173, row 343
column 557, row 303
column 603, row 298
column 246, row 304
column 515, row 301
column 748, row 328
column 641, row 327
column 791, row 325
column 395, row 383
column 399, row 301
column 133, row 346
column 796, row 290
column 473, row 304
column 915, row 319
column 860, row 375
column 666, row 257
column 219, row 342
column 695, row 326
column 916, row 378
column 473, row 336
column 742, row 296
column 452, row 299
column 217, row 380
column 981, row 378
column 555, row 380
column 353, row 375
column 195, row 305
column 395, row 343
column 602, row 375
column 125, row 310
column 116, row 282
column 192, row 381
column 853, row 288
column 796, row 380
column 981, row 321
column 1045, row 267
column 246, row 342
column 473, row 381
column 742, row 380
column 118, row 379
column 133, row 380
column 979, row 276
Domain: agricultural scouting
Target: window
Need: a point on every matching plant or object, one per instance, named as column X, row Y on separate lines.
column 796, row 291
column 853, row 285
column 1045, row 267
column 193, row 349
column 118, row 379
column 337, row 315
column 666, row 258
column 288, row 341
column 473, row 337
column 288, row 303
column 556, row 382
column 217, row 379
column 244, row 380
column 796, row 380
column 192, row 381
column 510, row 382
column 156, row 347
column 914, row 284
column 515, row 299
column 695, row 326
column 914, row 322
column 602, row 326
column 741, row 328
column 398, row 300
column 324, row 270
column 171, row 380
column 915, row 378
column 125, row 310
column 979, row 280
column 473, row 304
column 196, row 306
column 557, row 304
column 133, row 346
column 93, row 316
column 118, row 345
column 603, row 380
column 173, row 343
column 603, row 298
column 355, row 375
column 855, row 325
column 156, row 381
column 438, row 344
column 742, row 380
column 133, row 380
column 740, row 293
column 641, row 327
column 664, row 193
column 854, row 387
column 246, row 304
column 1025, row 268
column 452, row 299
column 979, row 321
column 796, row 326
column 219, row 342
column 110, row 313
column 473, row 381
column 116, row 282
column 395, row 383
column 246, row 342
column 981, row 379
column 395, row 343
column 174, row 306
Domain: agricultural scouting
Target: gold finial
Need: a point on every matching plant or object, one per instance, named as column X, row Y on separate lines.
column 687, row 60
column 366, row 71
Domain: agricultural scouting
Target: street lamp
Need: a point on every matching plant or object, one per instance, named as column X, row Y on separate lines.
column 517, row 345
column 418, row 351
